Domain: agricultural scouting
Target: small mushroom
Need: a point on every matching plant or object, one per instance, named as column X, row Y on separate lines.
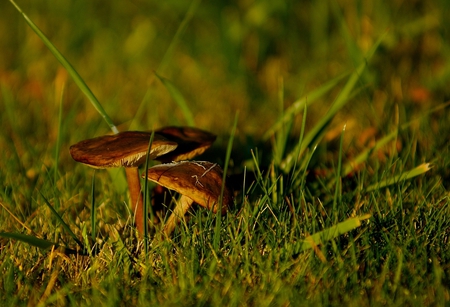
column 196, row 181
column 191, row 142
column 127, row 149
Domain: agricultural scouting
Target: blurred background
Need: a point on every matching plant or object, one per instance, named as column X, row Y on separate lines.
column 251, row 57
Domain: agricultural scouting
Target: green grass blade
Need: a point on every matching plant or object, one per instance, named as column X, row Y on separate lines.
column 224, row 177
column 300, row 104
column 363, row 156
column 319, row 129
column 37, row 242
column 9, row 115
column 32, row 240
column 338, row 182
column 228, row 155
column 176, row 38
column 145, row 215
column 290, row 162
column 58, row 140
column 261, row 181
column 65, row 226
column 282, row 136
column 419, row 170
column 302, row 172
column 93, row 211
column 70, row 69
column 281, row 142
column 330, row 233
column 349, row 166
column 179, row 99
column 166, row 58
column 353, row 50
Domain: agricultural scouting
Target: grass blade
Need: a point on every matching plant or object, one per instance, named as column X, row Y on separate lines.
column 419, row 170
column 145, row 215
column 319, row 129
column 224, row 177
column 58, row 140
column 352, row 47
column 330, row 233
column 281, row 137
column 65, row 226
column 70, row 69
column 351, row 165
column 93, row 210
column 176, row 38
column 301, row 103
column 338, row 183
column 166, row 58
column 179, row 99
column 16, row 218
column 292, row 158
column 32, row 240
column 39, row 243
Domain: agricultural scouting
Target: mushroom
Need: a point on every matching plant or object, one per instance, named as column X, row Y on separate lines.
column 191, row 142
column 127, row 149
column 196, row 181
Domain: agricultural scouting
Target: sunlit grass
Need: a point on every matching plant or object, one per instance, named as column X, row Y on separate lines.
column 338, row 154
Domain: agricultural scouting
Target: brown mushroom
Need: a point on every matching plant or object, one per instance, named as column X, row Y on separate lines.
column 196, row 181
column 127, row 149
column 191, row 142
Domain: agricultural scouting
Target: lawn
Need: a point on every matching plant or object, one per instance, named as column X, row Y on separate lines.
column 332, row 129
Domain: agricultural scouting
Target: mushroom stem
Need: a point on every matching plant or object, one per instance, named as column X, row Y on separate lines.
column 178, row 213
column 137, row 202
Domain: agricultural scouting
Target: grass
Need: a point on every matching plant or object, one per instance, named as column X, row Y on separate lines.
column 338, row 154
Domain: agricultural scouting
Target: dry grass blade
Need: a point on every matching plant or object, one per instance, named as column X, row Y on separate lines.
column 16, row 218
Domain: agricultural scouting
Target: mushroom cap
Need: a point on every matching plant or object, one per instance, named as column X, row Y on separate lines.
column 199, row 180
column 191, row 142
column 128, row 149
